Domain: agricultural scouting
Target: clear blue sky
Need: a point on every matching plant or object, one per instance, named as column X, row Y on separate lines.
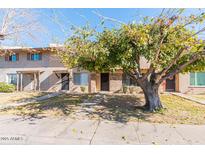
column 59, row 29
column 79, row 17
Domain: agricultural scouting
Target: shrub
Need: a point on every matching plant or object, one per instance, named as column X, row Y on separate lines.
column 82, row 89
column 7, row 88
column 125, row 89
column 132, row 89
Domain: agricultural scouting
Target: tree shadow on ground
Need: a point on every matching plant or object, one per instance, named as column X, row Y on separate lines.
column 111, row 107
column 118, row 108
column 62, row 105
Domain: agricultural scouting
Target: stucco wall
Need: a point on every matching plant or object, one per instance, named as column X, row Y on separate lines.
column 49, row 80
column 115, row 82
column 28, row 82
column 48, row 60
column 52, row 82
column 48, row 64
column 93, row 84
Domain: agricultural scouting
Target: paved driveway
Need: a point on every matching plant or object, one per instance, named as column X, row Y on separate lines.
column 18, row 130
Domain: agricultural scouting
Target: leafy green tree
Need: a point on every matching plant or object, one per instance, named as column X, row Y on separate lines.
column 169, row 42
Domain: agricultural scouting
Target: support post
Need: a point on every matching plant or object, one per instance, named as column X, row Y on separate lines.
column 39, row 82
column 71, row 80
column 21, row 76
column 17, row 84
column 35, row 81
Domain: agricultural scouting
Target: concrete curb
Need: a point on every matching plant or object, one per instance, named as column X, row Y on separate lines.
column 189, row 98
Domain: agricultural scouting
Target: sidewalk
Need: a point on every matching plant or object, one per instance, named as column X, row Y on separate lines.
column 18, row 130
column 189, row 98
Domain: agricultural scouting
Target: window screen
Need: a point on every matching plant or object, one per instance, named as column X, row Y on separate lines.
column 197, row 79
column 81, row 78
column 12, row 79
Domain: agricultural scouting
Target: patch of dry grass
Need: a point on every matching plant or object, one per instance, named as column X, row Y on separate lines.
column 18, row 96
column 115, row 107
column 179, row 110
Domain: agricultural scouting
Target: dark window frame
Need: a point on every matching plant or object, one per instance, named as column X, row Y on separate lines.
column 31, row 56
column 10, row 58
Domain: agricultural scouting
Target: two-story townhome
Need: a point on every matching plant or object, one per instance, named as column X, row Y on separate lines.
column 32, row 69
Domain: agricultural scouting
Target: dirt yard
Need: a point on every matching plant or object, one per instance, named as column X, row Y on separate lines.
column 113, row 107
column 18, row 96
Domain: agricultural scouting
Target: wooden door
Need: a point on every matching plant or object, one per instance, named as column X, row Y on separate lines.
column 105, row 82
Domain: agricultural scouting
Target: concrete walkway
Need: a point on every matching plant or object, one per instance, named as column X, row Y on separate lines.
column 189, row 98
column 30, row 100
column 18, row 130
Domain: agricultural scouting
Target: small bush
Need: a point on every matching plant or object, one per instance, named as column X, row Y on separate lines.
column 7, row 88
column 132, row 89
column 125, row 89
column 82, row 89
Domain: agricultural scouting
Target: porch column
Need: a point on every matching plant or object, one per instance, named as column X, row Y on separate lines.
column 17, row 84
column 35, row 81
column 39, row 82
column 21, row 76
column 71, row 80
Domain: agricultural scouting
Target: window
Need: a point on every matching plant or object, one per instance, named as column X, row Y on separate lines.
column 34, row 56
column 12, row 79
column 12, row 58
column 81, row 78
column 197, row 79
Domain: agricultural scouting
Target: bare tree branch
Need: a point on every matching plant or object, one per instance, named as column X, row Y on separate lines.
column 18, row 23
column 108, row 18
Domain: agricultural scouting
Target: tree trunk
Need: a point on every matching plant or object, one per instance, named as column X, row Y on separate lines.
column 152, row 99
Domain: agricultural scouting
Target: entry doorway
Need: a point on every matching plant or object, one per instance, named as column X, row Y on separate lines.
column 104, row 82
column 170, row 84
column 64, row 81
